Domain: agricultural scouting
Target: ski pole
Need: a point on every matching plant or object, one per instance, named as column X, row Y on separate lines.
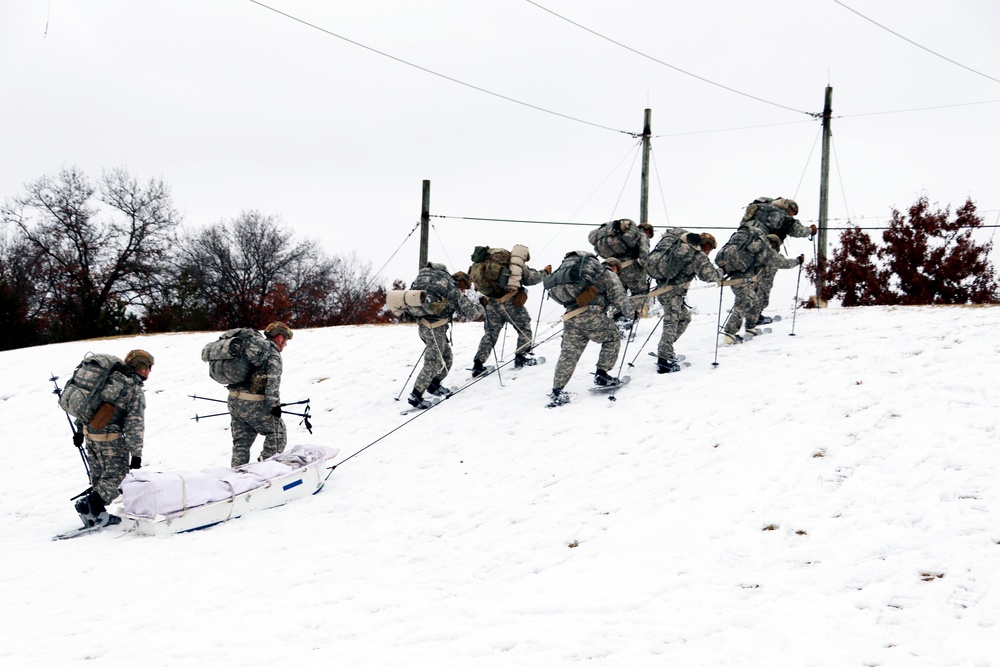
column 496, row 359
column 83, row 456
column 198, row 417
column 718, row 326
column 202, row 398
column 628, row 339
column 538, row 320
column 632, row 363
column 295, row 402
column 795, row 304
column 415, row 364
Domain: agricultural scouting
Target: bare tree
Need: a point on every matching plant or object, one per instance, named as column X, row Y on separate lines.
column 99, row 250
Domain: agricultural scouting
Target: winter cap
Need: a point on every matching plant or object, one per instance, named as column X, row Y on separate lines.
column 139, row 359
column 708, row 240
column 278, row 328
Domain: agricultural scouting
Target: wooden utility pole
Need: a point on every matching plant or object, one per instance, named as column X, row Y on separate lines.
column 644, row 187
column 824, row 189
column 425, row 224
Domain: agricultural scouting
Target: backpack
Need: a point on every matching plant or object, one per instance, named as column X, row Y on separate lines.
column 663, row 263
column 734, row 257
column 99, row 380
column 618, row 238
column 235, row 356
column 578, row 271
column 758, row 209
column 490, row 271
column 425, row 298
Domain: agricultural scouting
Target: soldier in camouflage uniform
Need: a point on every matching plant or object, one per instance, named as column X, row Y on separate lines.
column 255, row 404
column 117, row 447
column 746, row 308
column 693, row 253
column 631, row 274
column 592, row 323
column 434, row 329
column 508, row 308
column 776, row 218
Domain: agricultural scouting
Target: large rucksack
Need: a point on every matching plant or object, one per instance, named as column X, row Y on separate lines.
column 490, row 271
column 578, row 271
column 664, row 262
column 235, row 356
column 618, row 238
column 100, row 380
column 735, row 257
column 425, row 298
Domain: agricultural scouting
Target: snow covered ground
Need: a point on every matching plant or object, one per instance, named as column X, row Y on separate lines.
column 824, row 499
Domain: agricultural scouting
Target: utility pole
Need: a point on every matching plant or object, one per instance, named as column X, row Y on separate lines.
column 824, row 200
column 425, row 224
column 644, row 187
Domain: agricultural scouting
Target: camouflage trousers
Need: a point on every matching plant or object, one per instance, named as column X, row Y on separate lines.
column 497, row 315
column 765, row 281
column 636, row 282
column 676, row 318
column 591, row 325
column 437, row 356
column 250, row 419
column 108, row 463
column 746, row 308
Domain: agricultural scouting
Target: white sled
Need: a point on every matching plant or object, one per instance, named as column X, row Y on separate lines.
column 161, row 503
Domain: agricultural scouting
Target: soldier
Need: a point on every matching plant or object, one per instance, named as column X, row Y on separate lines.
column 690, row 259
column 117, row 447
column 777, row 219
column 450, row 293
column 587, row 320
column 255, row 404
column 508, row 308
column 628, row 243
column 749, row 247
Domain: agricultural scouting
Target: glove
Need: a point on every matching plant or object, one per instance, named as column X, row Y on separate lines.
column 813, row 229
column 135, row 463
column 548, row 269
column 483, row 300
column 623, row 322
column 276, row 411
column 802, row 259
column 78, row 438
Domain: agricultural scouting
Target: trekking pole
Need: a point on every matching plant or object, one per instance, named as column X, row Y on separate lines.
column 632, row 363
column 306, row 401
column 202, row 398
column 795, row 304
column 538, row 319
column 305, row 418
column 198, row 417
column 628, row 339
column 416, row 363
column 496, row 359
column 718, row 325
column 58, row 392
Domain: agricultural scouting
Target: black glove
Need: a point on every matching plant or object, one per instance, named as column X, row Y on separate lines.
column 802, row 259
column 135, row 462
column 78, row 438
column 484, row 301
column 276, row 411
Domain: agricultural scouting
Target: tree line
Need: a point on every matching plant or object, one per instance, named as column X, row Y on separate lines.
column 82, row 259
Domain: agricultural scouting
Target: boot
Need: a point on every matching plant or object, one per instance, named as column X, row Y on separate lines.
column 602, row 378
column 522, row 360
column 762, row 320
column 731, row 338
column 478, row 368
column 436, row 389
column 749, row 333
column 558, row 397
column 416, row 399
column 667, row 365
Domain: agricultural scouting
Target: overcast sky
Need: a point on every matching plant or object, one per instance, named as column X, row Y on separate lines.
column 511, row 111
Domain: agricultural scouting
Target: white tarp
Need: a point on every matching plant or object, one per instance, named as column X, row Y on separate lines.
column 147, row 494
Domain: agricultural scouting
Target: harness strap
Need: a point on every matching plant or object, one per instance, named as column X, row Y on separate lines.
column 667, row 288
column 245, row 396
column 103, row 437
column 424, row 322
column 573, row 313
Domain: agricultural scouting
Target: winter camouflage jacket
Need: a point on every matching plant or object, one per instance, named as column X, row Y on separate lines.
column 435, row 278
column 265, row 379
column 696, row 264
column 128, row 420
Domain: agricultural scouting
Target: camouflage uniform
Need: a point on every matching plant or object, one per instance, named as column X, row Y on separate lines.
column 593, row 324
column 250, row 404
column 109, row 459
column 498, row 313
column 437, row 349
column 774, row 220
column 676, row 316
column 632, row 274
column 747, row 306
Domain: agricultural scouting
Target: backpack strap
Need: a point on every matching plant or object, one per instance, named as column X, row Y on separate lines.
column 506, row 297
column 667, row 288
column 573, row 313
column 627, row 263
column 103, row 437
column 431, row 324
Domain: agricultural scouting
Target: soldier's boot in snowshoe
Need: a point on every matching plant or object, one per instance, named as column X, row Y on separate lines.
column 522, row 360
column 667, row 365
column 416, row 399
column 477, row 368
column 92, row 511
column 602, row 379
column 731, row 338
column 436, row 389
column 762, row 320
column 558, row 397
column 749, row 333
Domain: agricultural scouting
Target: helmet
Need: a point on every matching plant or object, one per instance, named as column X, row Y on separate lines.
column 462, row 278
column 708, row 240
column 647, row 228
column 775, row 241
column 789, row 205
column 139, row 359
column 612, row 263
column 278, row 328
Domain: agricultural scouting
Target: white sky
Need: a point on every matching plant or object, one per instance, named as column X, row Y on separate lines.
column 237, row 107
column 867, row 442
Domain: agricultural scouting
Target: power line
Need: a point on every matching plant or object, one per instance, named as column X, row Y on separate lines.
column 943, row 106
column 438, row 74
column 919, row 46
column 666, row 64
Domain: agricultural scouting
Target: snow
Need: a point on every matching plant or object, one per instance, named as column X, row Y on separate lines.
column 828, row 498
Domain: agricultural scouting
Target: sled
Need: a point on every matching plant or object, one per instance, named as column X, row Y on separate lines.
column 164, row 503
